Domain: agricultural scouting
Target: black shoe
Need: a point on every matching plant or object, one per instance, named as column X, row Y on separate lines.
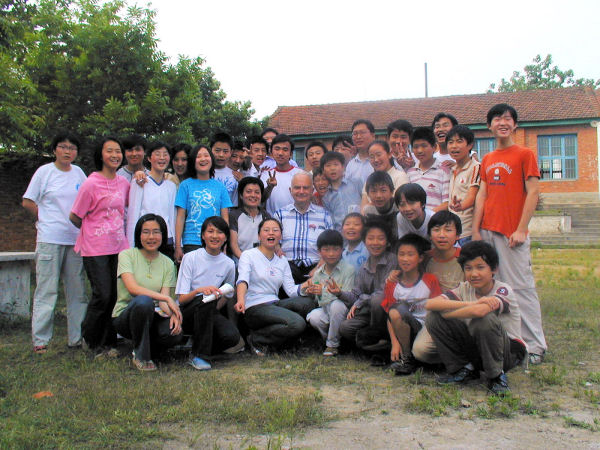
column 499, row 385
column 406, row 365
column 461, row 376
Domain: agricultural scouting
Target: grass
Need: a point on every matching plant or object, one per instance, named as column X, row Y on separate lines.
column 109, row 404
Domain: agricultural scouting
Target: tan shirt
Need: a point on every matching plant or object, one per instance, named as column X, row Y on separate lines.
column 461, row 180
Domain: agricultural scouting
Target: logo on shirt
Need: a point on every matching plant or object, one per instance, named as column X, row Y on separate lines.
column 502, row 291
column 497, row 175
column 272, row 272
column 431, row 186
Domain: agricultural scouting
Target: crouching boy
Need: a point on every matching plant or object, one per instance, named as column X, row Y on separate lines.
column 477, row 326
column 327, row 284
column 405, row 300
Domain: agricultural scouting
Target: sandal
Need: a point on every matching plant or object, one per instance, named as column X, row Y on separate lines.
column 40, row 349
column 142, row 366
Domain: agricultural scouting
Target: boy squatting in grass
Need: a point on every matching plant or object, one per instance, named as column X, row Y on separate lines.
column 478, row 324
column 327, row 285
column 404, row 301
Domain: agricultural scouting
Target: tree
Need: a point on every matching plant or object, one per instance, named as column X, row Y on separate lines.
column 540, row 75
column 95, row 68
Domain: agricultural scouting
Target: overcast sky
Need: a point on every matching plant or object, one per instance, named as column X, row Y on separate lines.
column 276, row 53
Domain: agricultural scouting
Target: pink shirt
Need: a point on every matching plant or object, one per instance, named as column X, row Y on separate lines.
column 101, row 205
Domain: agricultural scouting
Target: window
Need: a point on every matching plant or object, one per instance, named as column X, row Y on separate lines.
column 298, row 156
column 483, row 146
column 557, row 157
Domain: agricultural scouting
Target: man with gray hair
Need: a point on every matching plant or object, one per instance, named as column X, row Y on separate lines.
column 302, row 223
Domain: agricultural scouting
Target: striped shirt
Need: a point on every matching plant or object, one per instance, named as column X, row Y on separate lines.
column 435, row 181
column 461, row 180
column 300, row 232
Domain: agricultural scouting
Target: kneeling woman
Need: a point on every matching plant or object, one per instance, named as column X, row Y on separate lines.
column 202, row 272
column 145, row 311
column 261, row 273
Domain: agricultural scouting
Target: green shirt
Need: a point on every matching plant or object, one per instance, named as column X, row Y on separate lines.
column 153, row 275
column 342, row 274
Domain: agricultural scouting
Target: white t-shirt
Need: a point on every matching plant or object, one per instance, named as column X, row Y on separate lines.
column 280, row 195
column 125, row 173
column 441, row 157
column 199, row 269
column 154, row 198
column 54, row 191
column 406, row 226
column 264, row 277
column 225, row 176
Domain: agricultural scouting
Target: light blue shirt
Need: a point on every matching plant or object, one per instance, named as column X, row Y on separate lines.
column 356, row 257
column 342, row 201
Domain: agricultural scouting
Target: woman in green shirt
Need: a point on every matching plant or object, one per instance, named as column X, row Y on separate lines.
column 145, row 311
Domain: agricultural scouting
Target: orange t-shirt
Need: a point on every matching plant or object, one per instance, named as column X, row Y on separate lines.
column 504, row 171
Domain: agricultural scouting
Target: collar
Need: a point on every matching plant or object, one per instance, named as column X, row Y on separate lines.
column 284, row 171
column 467, row 166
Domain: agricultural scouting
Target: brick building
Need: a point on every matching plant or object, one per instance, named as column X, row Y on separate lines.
column 561, row 125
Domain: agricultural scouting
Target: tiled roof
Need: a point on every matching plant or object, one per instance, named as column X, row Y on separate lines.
column 532, row 106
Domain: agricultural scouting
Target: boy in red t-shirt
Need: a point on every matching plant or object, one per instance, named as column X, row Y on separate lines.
column 505, row 203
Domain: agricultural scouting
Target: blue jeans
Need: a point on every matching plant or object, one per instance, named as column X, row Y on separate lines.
column 149, row 331
column 274, row 323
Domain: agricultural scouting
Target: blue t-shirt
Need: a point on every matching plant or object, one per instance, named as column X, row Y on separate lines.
column 356, row 257
column 201, row 199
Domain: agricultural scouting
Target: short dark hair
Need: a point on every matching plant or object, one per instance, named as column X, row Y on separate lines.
column 420, row 244
column 98, row 163
column 442, row 218
column 400, row 125
column 219, row 223
column 442, row 115
column 155, row 146
column 237, row 145
column 283, row 138
column 412, row 192
column 423, row 134
column 366, row 122
column 245, row 182
column 134, row 140
column 267, row 130
column 332, row 156
column 474, row 249
column 317, row 171
column 181, row 147
column 376, row 222
column 137, row 233
column 463, row 132
column 272, row 219
column 346, row 141
column 65, row 136
column 191, row 168
column 222, row 137
column 315, row 144
column 330, row 237
column 381, row 142
column 379, row 177
column 356, row 215
column 499, row 109
column 257, row 140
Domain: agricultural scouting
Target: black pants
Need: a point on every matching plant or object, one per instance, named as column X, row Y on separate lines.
column 97, row 328
column 212, row 333
column 150, row 332
column 300, row 273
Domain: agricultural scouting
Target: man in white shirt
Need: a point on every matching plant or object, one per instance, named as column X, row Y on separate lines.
column 363, row 133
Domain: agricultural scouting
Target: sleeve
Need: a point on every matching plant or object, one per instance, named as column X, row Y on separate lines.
column 224, row 195
column 233, row 220
column 328, row 221
column 506, row 297
column 230, row 276
column 388, row 296
column 34, row 190
column 184, row 280
column 530, row 166
column 170, row 279
column 482, row 166
column 136, row 195
column 181, row 198
column 244, row 268
column 83, row 201
column 433, row 284
column 172, row 209
column 446, row 185
column 352, row 296
column 291, row 289
column 475, row 177
column 125, row 263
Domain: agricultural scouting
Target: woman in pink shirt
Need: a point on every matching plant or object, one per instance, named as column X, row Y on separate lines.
column 99, row 212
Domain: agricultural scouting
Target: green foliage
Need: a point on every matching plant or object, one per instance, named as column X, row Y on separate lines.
column 541, row 75
column 95, row 68
column 435, row 403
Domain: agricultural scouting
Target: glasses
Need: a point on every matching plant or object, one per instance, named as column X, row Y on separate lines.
column 360, row 132
column 71, row 148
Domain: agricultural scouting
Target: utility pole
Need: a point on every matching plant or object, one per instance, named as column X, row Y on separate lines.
column 426, row 90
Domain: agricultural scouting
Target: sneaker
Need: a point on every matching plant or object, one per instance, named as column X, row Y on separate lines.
column 461, row 376
column 499, row 385
column 198, row 363
column 331, row 351
column 257, row 349
column 405, row 366
column 536, row 358
column 237, row 348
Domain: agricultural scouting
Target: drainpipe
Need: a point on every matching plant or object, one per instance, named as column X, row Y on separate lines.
column 596, row 125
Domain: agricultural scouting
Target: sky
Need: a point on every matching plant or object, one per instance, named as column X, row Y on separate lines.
column 283, row 53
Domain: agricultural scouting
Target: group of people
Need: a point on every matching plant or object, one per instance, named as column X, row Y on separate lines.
column 407, row 248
